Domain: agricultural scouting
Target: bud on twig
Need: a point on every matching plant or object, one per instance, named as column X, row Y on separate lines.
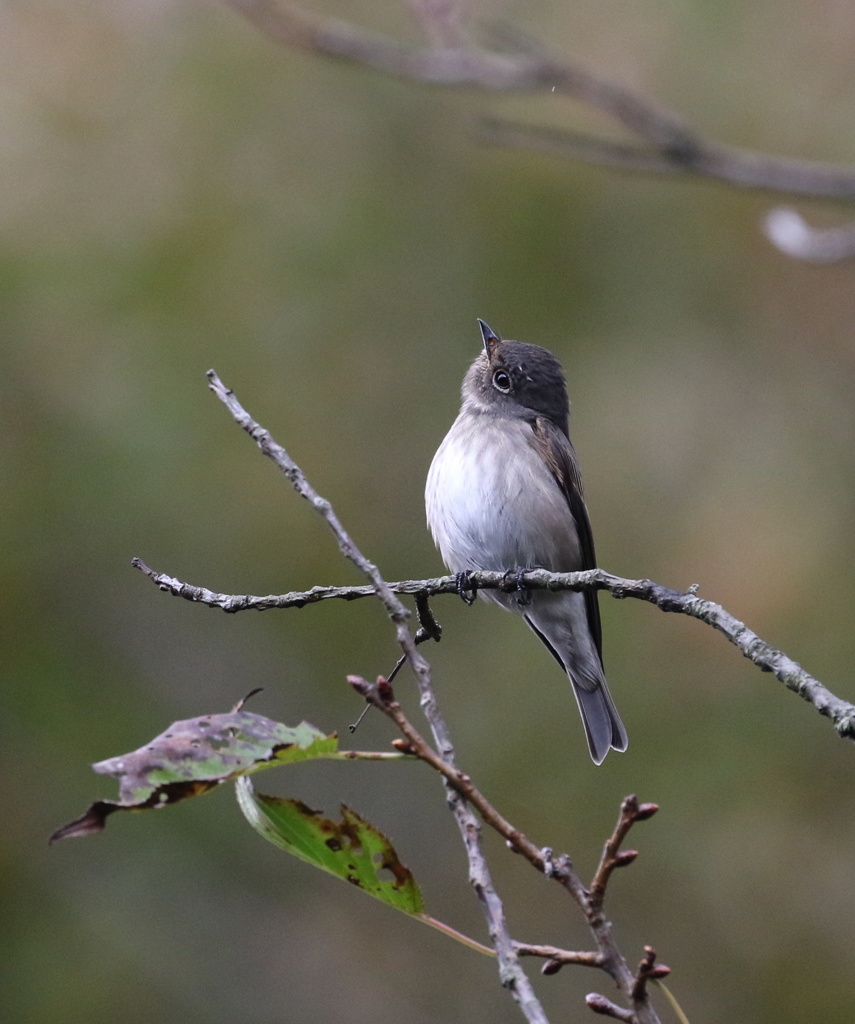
column 599, row 1004
column 646, row 811
column 625, row 857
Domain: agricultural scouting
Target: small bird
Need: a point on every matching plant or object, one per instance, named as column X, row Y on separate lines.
column 504, row 493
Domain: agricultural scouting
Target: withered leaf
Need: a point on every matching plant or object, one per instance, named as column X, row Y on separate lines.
column 194, row 756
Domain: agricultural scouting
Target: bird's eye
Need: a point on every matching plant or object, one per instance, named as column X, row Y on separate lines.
column 501, row 381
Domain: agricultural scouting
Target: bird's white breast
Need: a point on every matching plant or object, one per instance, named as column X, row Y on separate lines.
column 492, row 503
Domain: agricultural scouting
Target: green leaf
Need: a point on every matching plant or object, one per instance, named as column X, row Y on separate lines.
column 196, row 755
column 351, row 849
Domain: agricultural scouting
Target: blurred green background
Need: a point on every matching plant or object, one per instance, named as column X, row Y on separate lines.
column 179, row 193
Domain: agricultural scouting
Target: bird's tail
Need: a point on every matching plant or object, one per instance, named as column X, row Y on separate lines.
column 603, row 728
column 561, row 623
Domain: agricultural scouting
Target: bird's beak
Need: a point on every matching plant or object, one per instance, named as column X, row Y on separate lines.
column 491, row 339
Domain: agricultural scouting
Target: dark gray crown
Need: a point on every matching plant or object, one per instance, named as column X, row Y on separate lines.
column 535, row 380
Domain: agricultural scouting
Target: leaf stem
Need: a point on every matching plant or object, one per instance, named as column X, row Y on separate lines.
column 453, row 933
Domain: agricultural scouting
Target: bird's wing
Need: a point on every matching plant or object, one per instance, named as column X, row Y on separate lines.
column 557, row 452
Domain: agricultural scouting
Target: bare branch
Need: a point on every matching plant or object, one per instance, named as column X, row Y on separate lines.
column 670, row 145
column 648, row 970
column 442, row 21
column 742, row 168
column 764, row 655
column 571, row 145
column 523, row 70
column 556, row 958
column 429, row 626
column 332, row 37
column 608, row 957
column 613, row 857
column 599, row 1004
column 511, row 973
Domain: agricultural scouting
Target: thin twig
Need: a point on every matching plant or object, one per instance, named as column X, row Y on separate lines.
column 511, row 973
column 648, row 970
column 430, row 627
column 764, row 655
column 599, row 1004
column 613, row 857
column 731, row 165
column 556, row 958
column 443, row 21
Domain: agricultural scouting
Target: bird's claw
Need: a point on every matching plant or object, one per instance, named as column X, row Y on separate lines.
column 514, row 581
column 466, row 589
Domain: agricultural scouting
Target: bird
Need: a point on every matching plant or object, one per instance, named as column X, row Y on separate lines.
column 504, row 493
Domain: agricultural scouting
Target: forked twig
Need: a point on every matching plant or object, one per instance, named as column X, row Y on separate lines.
column 608, row 956
column 631, row 811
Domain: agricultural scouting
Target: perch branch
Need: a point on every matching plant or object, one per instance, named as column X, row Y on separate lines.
column 764, row 655
column 511, row 973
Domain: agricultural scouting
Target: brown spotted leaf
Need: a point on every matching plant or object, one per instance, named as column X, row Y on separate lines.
column 194, row 756
column 351, row 849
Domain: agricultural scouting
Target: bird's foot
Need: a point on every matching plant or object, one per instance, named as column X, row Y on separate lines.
column 466, row 589
column 514, row 582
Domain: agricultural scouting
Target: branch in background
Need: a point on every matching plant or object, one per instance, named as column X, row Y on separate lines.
column 731, row 165
column 511, row 973
column 667, row 144
column 442, row 21
column 766, row 657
